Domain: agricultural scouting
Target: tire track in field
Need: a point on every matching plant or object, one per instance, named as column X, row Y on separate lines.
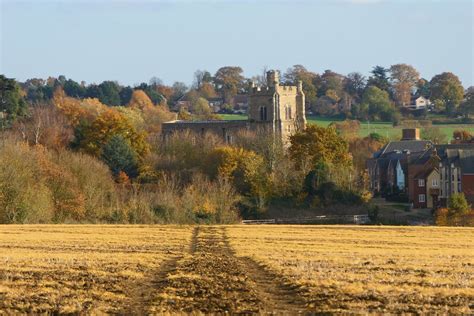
column 141, row 294
column 212, row 279
column 276, row 294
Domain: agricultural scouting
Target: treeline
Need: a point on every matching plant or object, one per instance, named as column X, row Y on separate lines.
column 383, row 96
column 79, row 160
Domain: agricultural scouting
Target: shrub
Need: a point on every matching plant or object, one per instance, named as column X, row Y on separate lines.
column 24, row 196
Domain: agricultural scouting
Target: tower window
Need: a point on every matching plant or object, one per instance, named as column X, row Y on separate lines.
column 263, row 113
column 287, row 112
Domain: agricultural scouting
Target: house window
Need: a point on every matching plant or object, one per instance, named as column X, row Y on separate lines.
column 459, row 187
column 434, row 182
column 421, row 198
column 263, row 113
column 421, row 182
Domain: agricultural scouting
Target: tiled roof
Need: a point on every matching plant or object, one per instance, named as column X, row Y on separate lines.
column 410, row 145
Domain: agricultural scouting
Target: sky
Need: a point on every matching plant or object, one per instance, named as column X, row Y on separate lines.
column 133, row 41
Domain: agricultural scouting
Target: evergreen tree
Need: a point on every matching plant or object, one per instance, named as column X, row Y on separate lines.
column 119, row 156
column 11, row 101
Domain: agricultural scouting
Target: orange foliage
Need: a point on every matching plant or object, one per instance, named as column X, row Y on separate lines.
column 140, row 100
column 68, row 199
column 207, row 90
column 77, row 110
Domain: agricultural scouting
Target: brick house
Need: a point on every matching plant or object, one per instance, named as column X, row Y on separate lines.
column 456, row 169
column 425, row 191
column 389, row 167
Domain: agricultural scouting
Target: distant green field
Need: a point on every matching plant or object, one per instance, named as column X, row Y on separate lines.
column 383, row 128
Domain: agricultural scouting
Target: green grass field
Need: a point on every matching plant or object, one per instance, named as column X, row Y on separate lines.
column 383, row 128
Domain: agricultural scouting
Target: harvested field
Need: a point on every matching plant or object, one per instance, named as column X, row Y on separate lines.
column 236, row 269
column 95, row 269
column 368, row 269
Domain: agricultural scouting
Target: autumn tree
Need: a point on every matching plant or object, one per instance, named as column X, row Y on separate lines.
column 317, row 145
column 332, row 85
column 309, row 79
column 45, row 125
column 206, row 90
column 152, row 91
column 423, row 88
column 92, row 136
column 201, row 77
column 362, row 149
column 447, row 89
column 244, row 168
column 403, row 78
column 354, row 85
column 201, row 108
column 140, row 100
column 229, row 80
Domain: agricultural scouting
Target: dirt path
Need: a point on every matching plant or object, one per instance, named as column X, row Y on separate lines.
column 141, row 295
column 211, row 279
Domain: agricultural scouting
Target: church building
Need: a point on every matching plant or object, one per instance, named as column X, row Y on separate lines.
column 275, row 108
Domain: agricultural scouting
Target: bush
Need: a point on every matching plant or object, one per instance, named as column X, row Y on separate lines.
column 373, row 213
column 24, row 195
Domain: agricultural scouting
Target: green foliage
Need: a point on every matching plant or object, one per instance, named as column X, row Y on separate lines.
column 379, row 78
column 378, row 105
column 467, row 106
column 373, row 213
column 73, row 89
column 120, row 156
column 378, row 137
column 457, row 205
column 12, row 103
column 447, row 89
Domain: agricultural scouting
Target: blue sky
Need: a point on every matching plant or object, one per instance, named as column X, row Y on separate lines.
column 132, row 41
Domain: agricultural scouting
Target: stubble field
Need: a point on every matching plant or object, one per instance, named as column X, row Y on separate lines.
column 246, row 269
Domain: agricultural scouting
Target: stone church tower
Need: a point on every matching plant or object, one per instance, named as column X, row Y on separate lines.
column 274, row 108
column 280, row 109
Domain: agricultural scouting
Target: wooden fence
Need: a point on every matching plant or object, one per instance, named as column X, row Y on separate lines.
column 322, row 219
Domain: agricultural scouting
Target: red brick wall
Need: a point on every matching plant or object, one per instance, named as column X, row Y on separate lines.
column 467, row 186
column 413, row 170
column 416, row 191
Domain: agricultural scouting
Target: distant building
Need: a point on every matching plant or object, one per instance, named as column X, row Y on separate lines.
column 389, row 167
column 428, row 174
column 456, row 169
column 240, row 103
column 277, row 109
column 216, row 103
column 419, row 102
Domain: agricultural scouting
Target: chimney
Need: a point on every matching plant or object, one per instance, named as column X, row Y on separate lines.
column 410, row 134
